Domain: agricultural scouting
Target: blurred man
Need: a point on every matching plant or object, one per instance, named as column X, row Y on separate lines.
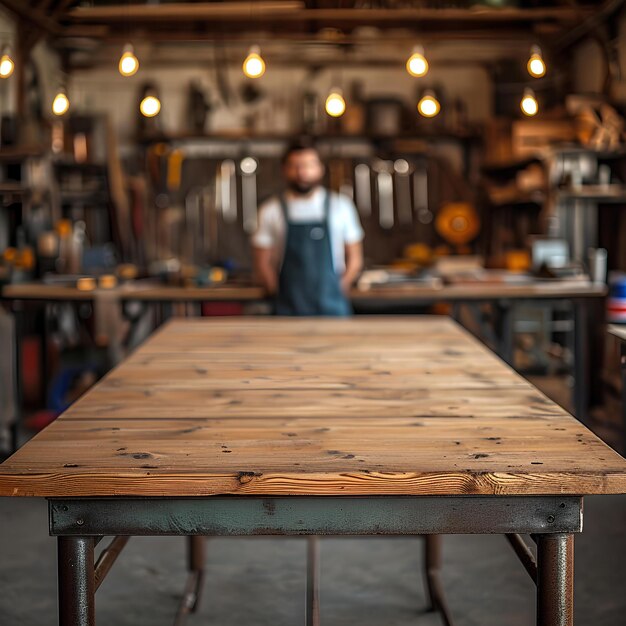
column 308, row 247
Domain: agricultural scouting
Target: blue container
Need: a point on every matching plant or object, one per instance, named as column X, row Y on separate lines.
column 616, row 303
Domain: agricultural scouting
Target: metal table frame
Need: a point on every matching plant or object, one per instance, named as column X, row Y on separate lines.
column 623, row 372
column 79, row 524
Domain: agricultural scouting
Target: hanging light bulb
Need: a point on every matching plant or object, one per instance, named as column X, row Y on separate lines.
column 417, row 65
column 6, row 63
column 536, row 65
column 61, row 103
column 254, row 65
column 335, row 103
column 529, row 104
column 150, row 105
column 428, row 106
column 129, row 63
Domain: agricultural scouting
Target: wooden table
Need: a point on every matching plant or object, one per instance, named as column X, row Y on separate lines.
column 619, row 332
column 312, row 427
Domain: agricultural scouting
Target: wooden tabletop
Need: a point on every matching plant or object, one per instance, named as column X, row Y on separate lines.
column 133, row 291
column 407, row 294
column 279, row 406
column 618, row 331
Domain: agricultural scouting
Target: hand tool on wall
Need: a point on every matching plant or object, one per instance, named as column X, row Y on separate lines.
column 193, row 230
column 175, row 169
column 402, row 177
column 384, row 185
column 228, row 190
column 363, row 189
column 420, row 195
column 248, row 167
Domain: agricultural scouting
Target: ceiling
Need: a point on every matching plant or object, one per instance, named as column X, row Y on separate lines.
column 93, row 28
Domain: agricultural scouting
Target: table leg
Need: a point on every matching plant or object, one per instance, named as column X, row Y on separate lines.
column 76, row 581
column 193, row 589
column 623, row 368
column 581, row 357
column 18, row 315
column 312, row 617
column 507, row 332
column 432, row 570
column 555, row 580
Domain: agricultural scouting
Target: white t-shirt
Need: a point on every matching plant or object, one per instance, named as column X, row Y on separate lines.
column 345, row 227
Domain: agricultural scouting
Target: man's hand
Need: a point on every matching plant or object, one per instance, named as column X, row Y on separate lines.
column 265, row 272
column 354, row 265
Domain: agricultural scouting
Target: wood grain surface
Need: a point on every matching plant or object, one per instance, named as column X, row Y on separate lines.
column 274, row 406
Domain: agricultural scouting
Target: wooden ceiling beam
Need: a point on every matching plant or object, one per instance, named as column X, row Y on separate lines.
column 108, row 35
column 31, row 15
column 61, row 7
column 289, row 11
column 186, row 11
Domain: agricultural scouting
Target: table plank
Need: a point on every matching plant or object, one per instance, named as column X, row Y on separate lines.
column 362, row 406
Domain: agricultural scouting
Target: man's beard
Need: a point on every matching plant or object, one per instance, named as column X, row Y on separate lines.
column 302, row 189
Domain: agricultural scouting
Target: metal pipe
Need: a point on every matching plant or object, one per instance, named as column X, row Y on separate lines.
column 555, row 580
column 524, row 554
column 76, row 581
column 190, row 600
column 106, row 559
column 434, row 586
column 312, row 617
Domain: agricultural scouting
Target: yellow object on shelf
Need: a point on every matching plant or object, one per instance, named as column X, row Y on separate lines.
column 419, row 252
column 457, row 222
column 517, row 260
column 9, row 255
column 127, row 271
column 86, row 284
column 107, row 281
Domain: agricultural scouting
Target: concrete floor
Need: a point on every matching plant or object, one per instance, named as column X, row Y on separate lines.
column 261, row 581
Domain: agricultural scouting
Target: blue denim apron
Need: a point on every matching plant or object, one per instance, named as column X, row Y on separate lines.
column 308, row 283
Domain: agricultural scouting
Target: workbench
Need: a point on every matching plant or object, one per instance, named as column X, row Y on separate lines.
column 363, row 426
column 503, row 298
column 619, row 332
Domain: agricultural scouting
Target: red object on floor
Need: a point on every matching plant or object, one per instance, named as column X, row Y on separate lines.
column 220, row 309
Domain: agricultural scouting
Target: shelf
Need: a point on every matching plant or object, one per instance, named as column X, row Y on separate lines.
column 596, row 193
column 17, row 154
column 508, row 168
column 13, row 188
column 282, row 137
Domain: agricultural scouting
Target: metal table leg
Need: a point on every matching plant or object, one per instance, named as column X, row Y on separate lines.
column 555, row 580
column 434, row 586
column 623, row 368
column 312, row 617
column 18, row 315
column 193, row 589
column 76, row 581
column 581, row 358
column 507, row 332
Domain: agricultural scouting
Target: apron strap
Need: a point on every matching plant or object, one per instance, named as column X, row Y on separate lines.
column 284, row 207
column 326, row 205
